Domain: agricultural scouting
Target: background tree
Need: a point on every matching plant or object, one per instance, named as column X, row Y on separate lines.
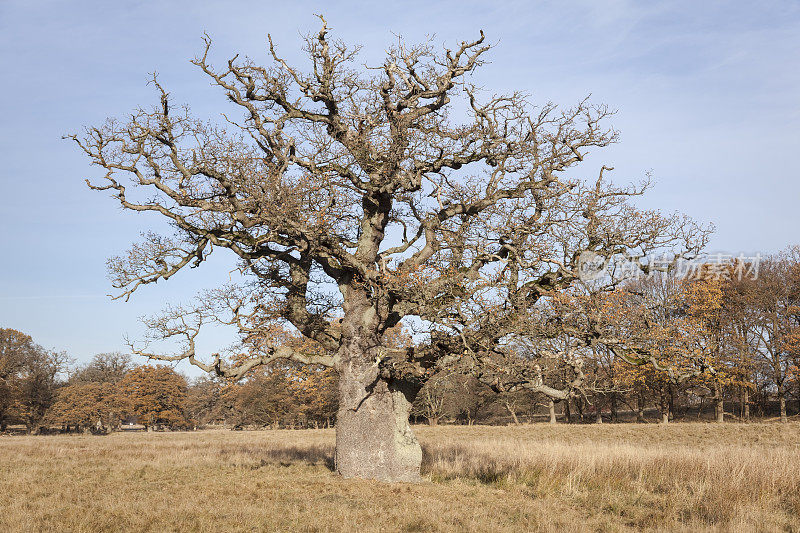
column 645, row 321
column 739, row 313
column 771, row 300
column 430, row 403
column 209, row 401
column 264, row 399
column 15, row 348
column 30, row 376
column 86, row 405
column 468, row 398
column 315, row 393
column 705, row 329
column 103, row 368
column 356, row 199
column 155, row 395
column 91, row 396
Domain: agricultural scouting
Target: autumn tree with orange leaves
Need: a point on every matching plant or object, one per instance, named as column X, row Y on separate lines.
column 155, row 395
column 86, row 406
column 644, row 322
column 15, row 348
column 708, row 329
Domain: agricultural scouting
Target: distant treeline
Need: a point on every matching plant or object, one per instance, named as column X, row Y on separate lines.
column 746, row 329
column 37, row 390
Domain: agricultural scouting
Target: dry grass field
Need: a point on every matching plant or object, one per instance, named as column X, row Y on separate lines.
column 690, row 477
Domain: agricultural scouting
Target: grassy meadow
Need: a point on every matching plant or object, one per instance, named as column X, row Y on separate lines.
column 612, row 477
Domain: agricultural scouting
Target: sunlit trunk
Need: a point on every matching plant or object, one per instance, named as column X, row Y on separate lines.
column 719, row 404
column 552, row 408
column 513, row 413
column 671, row 404
column 373, row 437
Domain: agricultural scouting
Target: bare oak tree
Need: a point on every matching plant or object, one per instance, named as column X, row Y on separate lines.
column 357, row 198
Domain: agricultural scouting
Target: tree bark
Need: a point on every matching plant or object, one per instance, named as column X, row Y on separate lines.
column 746, row 400
column 671, row 404
column 373, row 437
column 719, row 404
column 614, row 407
column 782, row 404
column 513, row 412
column 742, row 401
column 640, row 407
column 552, row 408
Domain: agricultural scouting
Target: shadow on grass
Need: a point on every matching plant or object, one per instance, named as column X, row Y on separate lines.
column 446, row 463
column 441, row 463
column 284, row 456
column 314, row 455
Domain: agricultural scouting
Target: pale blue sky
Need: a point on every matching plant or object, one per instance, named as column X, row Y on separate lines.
column 708, row 95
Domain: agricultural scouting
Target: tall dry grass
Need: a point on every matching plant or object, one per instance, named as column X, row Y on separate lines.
column 690, row 477
column 654, row 485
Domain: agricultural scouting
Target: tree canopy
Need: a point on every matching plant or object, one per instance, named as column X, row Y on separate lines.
column 356, row 198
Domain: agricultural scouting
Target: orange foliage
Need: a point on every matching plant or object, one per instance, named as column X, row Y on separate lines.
column 155, row 395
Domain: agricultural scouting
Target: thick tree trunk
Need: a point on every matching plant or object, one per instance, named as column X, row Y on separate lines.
column 552, row 408
column 373, row 437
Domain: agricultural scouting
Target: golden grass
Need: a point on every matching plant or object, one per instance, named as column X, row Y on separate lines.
column 690, row 477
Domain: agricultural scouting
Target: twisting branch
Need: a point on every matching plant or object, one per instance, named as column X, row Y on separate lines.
column 354, row 199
